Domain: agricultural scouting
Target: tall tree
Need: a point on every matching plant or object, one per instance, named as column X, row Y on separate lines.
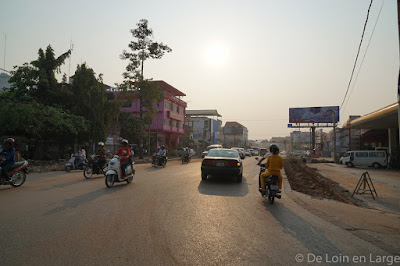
column 142, row 48
column 93, row 102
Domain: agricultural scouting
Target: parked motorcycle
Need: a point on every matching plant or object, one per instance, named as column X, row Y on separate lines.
column 159, row 161
column 17, row 175
column 114, row 172
column 71, row 165
column 93, row 167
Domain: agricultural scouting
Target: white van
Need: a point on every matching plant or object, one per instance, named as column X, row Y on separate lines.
column 375, row 159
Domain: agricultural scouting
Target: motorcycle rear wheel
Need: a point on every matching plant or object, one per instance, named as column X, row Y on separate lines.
column 88, row 172
column 19, row 180
column 68, row 169
column 271, row 199
column 110, row 180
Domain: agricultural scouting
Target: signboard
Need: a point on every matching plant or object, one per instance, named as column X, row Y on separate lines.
column 314, row 114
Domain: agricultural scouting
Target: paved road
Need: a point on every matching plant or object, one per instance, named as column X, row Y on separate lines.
column 165, row 217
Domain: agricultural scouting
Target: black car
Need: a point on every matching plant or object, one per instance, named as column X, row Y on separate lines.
column 222, row 162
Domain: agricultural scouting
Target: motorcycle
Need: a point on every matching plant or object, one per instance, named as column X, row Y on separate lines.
column 159, row 161
column 185, row 158
column 93, row 168
column 71, row 165
column 17, row 175
column 271, row 185
column 114, row 172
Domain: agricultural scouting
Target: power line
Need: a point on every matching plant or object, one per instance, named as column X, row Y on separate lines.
column 366, row 50
column 358, row 52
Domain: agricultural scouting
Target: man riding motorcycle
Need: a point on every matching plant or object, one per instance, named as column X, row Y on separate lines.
column 124, row 153
column 101, row 154
column 9, row 162
column 162, row 154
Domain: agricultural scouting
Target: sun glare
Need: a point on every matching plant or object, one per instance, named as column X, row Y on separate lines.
column 216, row 54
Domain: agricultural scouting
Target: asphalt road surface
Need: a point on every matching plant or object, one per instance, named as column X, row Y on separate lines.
column 166, row 216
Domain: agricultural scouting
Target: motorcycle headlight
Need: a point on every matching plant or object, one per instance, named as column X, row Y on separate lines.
column 112, row 163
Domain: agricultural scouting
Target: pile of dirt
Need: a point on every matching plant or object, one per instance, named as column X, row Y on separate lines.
column 306, row 180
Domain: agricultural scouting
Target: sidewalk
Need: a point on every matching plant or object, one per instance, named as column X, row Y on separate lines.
column 380, row 225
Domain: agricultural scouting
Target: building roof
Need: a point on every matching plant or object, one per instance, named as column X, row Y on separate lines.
column 233, row 124
column 202, row 113
column 168, row 88
column 384, row 118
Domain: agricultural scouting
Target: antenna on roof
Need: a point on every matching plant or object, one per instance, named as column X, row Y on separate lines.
column 5, row 45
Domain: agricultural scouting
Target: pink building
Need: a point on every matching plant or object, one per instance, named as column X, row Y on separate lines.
column 167, row 127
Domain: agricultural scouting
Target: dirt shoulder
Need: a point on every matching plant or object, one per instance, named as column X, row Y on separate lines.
column 329, row 199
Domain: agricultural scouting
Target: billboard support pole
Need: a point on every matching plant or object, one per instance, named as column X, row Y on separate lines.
column 334, row 137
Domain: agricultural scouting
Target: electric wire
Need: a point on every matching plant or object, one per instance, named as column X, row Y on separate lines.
column 358, row 53
column 362, row 62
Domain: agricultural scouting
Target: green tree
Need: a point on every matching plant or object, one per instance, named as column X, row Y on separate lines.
column 142, row 48
column 38, row 78
column 93, row 102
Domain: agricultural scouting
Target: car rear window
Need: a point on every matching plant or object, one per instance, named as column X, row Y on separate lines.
column 223, row 153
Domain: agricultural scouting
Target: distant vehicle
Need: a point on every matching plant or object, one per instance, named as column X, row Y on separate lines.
column 263, row 151
column 247, row 153
column 240, row 151
column 299, row 153
column 222, row 162
column 254, row 152
column 214, row 146
column 372, row 158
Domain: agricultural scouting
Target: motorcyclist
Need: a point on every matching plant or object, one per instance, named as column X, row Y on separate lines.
column 263, row 158
column 274, row 165
column 124, row 153
column 162, row 153
column 101, row 154
column 186, row 153
column 81, row 156
column 9, row 152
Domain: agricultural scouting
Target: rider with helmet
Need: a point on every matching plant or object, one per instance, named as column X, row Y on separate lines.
column 101, row 154
column 9, row 152
column 263, row 158
column 274, row 165
column 124, row 153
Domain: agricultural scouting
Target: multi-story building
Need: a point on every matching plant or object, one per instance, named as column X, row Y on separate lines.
column 167, row 127
column 205, row 127
column 235, row 135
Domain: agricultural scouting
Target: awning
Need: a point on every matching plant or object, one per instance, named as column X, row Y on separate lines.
column 384, row 118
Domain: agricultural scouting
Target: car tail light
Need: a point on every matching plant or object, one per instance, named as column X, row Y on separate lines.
column 233, row 163
column 208, row 162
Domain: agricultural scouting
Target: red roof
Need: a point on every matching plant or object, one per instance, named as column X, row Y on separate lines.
column 168, row 88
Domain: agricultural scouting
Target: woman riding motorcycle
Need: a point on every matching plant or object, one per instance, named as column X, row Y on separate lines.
column 101, row 154
column 274, row 165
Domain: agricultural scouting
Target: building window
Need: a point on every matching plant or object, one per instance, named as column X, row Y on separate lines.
column 167, row 122
column 167, row 105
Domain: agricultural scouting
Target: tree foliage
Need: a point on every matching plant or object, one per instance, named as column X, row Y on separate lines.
column 92, row 101
column 142, row 47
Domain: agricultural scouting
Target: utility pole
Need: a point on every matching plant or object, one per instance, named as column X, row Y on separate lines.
column 398, row 79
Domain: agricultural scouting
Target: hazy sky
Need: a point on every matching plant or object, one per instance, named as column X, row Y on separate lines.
column 251, row 60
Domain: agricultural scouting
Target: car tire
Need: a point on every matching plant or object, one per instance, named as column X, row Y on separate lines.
column 203, row 176
column 239, row 178
column 350, row 164
column 376, row 165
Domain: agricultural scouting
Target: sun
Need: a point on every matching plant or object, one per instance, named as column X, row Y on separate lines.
column 216, row 54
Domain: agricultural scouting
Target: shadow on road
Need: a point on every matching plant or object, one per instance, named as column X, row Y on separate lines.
column 223, row 186
column 85, row 198
column 310, row 236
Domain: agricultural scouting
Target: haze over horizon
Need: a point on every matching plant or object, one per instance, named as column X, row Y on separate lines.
column 249, row 60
